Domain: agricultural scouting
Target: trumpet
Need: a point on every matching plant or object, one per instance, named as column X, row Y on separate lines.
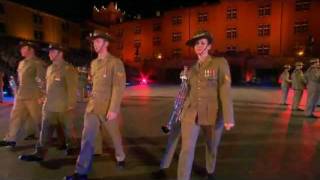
column 175, row 115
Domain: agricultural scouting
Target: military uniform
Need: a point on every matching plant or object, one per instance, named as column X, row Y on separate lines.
column 312, row 76
column 285, row 84
column 108, row 78
column 210, row 93
column 298, row 85
column 83, row 82
column 31, row 73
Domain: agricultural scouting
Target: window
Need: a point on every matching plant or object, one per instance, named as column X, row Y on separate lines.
column 303, row 5
column 176, row 53
column 231, row 13
column 2, row 11
column 137, row 43
column 231, row 49
column 2, row 28
column 156, row 27
column 264, row 10
column 301, row 27
column 176, row 20
column 37, row 19
column 176, row 36
column 202, row 17
column 156, row 41
column 38, row 35
column 231, row 33
column 264, row 30
column 65, row 27
column 263, row 49
column 137, row 30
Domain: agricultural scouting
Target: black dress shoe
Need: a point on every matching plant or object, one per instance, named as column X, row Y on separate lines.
column 31, row 157
column 76, row 176
column 211, row 176
column 7, row 143
column 284, row 104
column 121, row 164
column 160, row 174
column 30, row 137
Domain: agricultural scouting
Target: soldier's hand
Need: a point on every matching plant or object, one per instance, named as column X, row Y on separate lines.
column 228, row 126
column 40, row 100
column 111, row 115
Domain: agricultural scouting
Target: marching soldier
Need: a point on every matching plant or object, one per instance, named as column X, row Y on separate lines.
column 209, row 99
column 60, row 101
column 285, row 83
column 298, row 84
column 28, row 101
column 313, row 87
column 108, row 78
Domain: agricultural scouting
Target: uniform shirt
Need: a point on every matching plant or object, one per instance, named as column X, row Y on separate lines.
column 298, row 80
column 108, row 79
column 285, row 81
column 313, row 74
column 61, row 87
column 31, row 75
column 210, row 91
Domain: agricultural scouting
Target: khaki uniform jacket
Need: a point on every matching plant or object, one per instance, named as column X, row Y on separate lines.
column 210, row 91
column 298, row 80
column 312, row 75
column 61, row 87
column 108, row 79
column 285, row 79
column 31, row 77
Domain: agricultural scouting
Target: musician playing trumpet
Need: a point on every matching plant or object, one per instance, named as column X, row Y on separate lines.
column 208, row 105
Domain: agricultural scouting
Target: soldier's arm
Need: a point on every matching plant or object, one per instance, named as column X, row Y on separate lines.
column 118, row 86
column 41, row 76
column 287, row 78
column 224, row 88
column 72, row 86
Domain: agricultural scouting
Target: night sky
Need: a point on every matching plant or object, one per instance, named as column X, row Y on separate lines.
column 81, row 10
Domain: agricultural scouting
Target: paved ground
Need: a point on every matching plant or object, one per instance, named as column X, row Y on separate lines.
column 268, row 143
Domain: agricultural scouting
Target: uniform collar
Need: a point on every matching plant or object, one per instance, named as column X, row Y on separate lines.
column 204, row 63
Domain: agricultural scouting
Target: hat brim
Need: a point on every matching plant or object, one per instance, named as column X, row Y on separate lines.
column 27, row 44
column 108, row 38
column 192, row 41
column 59, row 49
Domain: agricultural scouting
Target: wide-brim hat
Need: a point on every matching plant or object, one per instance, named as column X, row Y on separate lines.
column 100, row 34
column 314, row 60
column 287, row 66
column 32, row 44
column 299, row 64
column 199, row 35
column 58, row 47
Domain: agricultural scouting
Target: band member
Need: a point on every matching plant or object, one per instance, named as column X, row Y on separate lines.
column 28, row 100
column 312, row 76
column 208, row 102
column 60, row 101
column 108, row 78
column 298, row 85
column 285, row 83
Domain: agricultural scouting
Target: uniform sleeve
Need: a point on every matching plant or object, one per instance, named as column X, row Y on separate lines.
column 72, row 86
column 118, row 86
column 225, row 96
column 287, row 77
column 41, row 76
